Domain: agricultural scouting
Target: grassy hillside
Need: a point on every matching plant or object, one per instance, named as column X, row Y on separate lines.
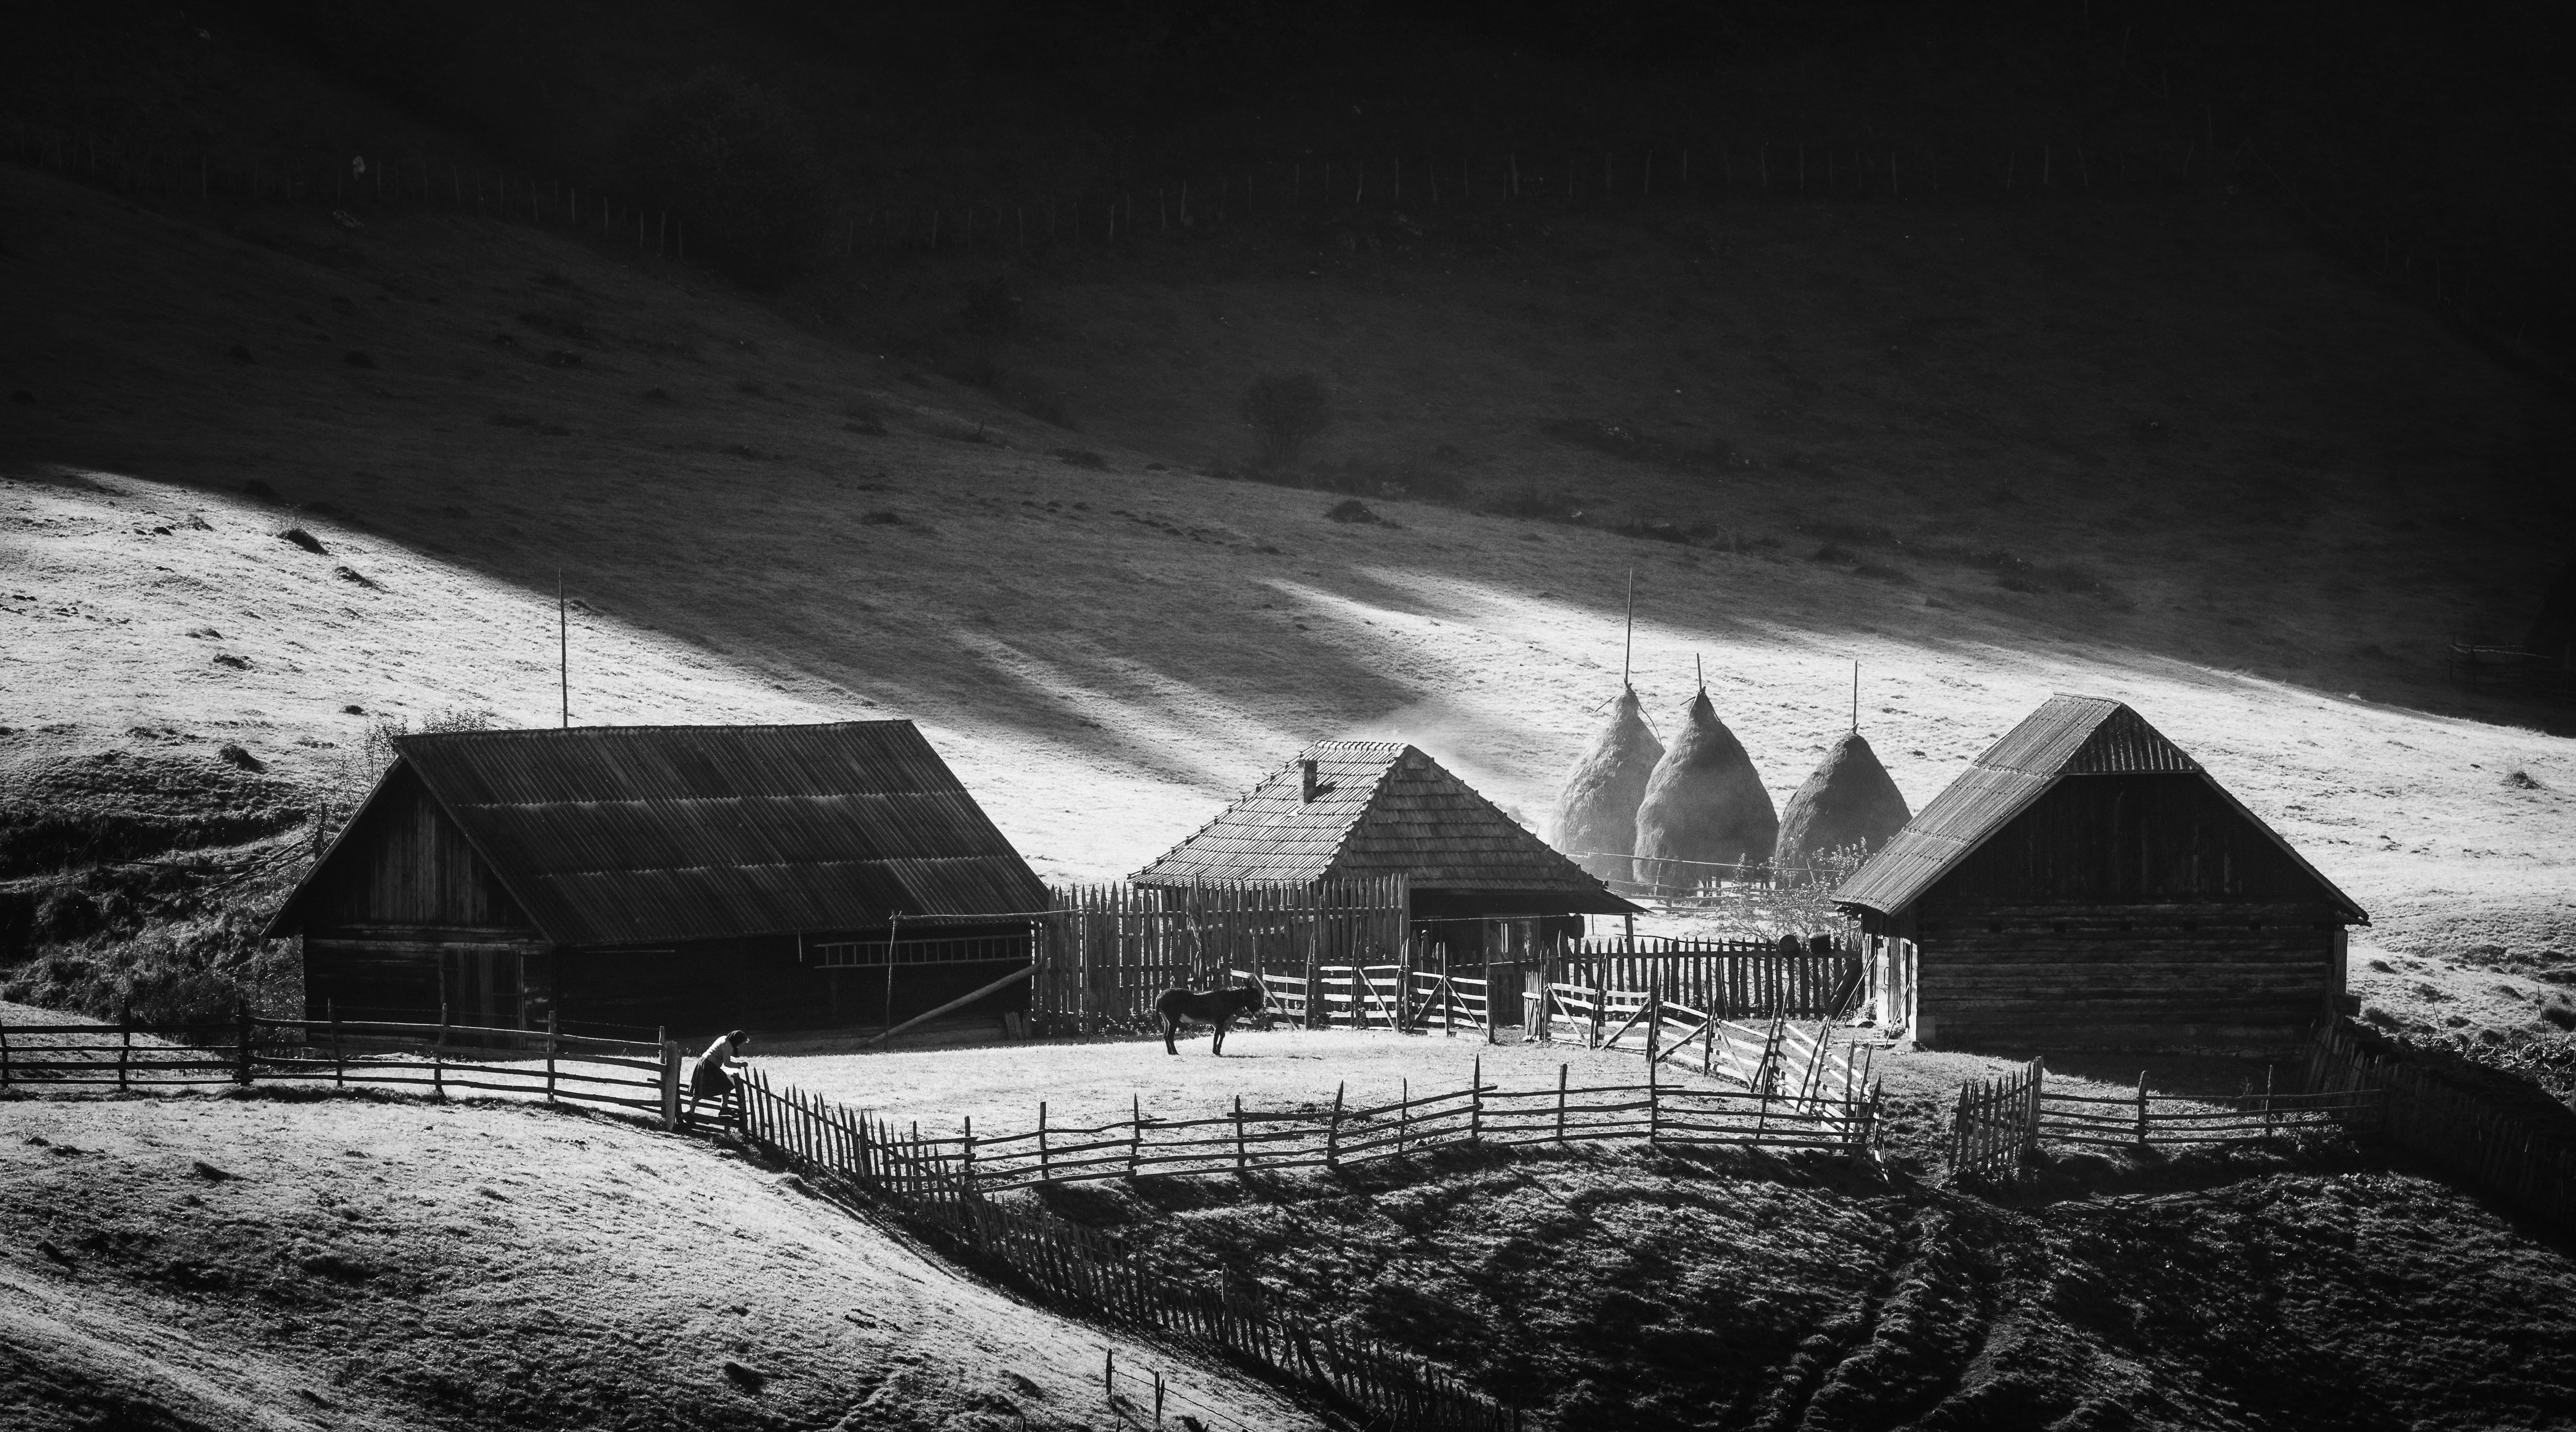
column 231, row 1263
column 1108, row 652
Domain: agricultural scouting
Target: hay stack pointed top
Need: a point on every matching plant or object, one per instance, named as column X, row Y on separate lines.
column 1596, row 816
column 1848, row 801
column 1705, row 804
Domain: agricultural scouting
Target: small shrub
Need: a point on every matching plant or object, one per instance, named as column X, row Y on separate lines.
column 1081, row 457
column 2559, row 1016
column 1351, row 509
column 1287, row 411
column 235, row 755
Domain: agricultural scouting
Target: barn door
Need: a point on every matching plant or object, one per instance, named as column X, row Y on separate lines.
column 1511, row 947
column 484, row 988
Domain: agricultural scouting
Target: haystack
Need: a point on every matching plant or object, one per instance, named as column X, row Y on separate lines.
column 1704, row 803
column 1596, row 817
column 1848, row 801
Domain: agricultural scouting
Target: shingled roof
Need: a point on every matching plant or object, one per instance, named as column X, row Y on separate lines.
column 644, row 834
column 1380, row 808
column 2067, row 736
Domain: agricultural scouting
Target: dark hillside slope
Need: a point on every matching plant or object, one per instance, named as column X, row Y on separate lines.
column 1653, row 1292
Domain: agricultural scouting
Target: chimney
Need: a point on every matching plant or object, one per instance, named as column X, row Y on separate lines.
column 1308, row 786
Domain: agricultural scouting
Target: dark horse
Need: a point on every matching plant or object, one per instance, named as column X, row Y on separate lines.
column 1219, row 1007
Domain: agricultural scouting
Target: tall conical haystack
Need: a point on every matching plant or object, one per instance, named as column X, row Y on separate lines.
column 1704, row 803
column 1596, row 817
column 1848, row 801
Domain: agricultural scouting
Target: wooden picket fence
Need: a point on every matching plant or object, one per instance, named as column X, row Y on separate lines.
column 1996, row 1125
column 2524, row 1156
column 1734, row 979
column 437, row 1058
column 934, row 1182
column 1111, row 949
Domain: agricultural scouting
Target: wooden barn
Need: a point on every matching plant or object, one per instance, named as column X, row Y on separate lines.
column 694, row 878
column 2086, row 884
column 1481, row 886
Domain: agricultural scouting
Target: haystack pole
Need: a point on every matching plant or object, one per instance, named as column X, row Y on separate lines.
column 1705, row 814
column 1596, row 814
column 1848, row 802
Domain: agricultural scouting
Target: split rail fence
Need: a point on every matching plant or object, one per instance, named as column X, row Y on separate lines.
column 934, row 1182
column 439, row 1059
column 2000, row 1123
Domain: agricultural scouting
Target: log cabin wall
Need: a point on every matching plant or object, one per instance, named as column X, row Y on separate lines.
column 412, row 919
column 2249, row 977
column 698, row 989
column 2126, row 911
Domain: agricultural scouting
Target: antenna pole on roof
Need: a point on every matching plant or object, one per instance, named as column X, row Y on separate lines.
column 1697, row 674
column 563, row 648
column 1630, row 646
column 1855, row 698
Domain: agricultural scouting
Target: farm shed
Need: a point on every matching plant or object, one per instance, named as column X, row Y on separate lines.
column 690, row 877
column 1480, row 886
column 2086, row 884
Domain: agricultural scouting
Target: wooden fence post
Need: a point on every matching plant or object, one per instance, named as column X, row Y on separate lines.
column 1493, row 1016
column 1560, row 1103
column 2030, row 1123
column 2142, row 1108
column 1333, row 1131
column 1046, row 1166
column 438, row 1056
column 1476, row 1104
column 1239, row 1164
column 1135, row 1133
column 1654, row 1091
column 125, row 1043
column 550, row 1056
column 1600, row 994
column 4, row 1054
column 242, row 1038
column 339, row 1060
column 670, row 1085
column 1403, row 1113
column 968, row 1158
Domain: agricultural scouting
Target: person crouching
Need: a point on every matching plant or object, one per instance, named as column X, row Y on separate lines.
column 715, row 1078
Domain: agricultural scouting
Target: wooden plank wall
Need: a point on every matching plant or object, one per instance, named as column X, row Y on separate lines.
column 408, row 865
column 2243, row 976
column 1112, row 948
column 2129, row 839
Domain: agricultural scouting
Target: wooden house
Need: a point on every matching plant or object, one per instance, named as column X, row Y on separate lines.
column 694, row 878
column 2087, row 884
column 1481, row 887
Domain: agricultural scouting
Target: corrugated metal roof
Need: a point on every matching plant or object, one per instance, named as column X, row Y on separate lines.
column 1381, row 808
column 630, row 834
column 2066, row 736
